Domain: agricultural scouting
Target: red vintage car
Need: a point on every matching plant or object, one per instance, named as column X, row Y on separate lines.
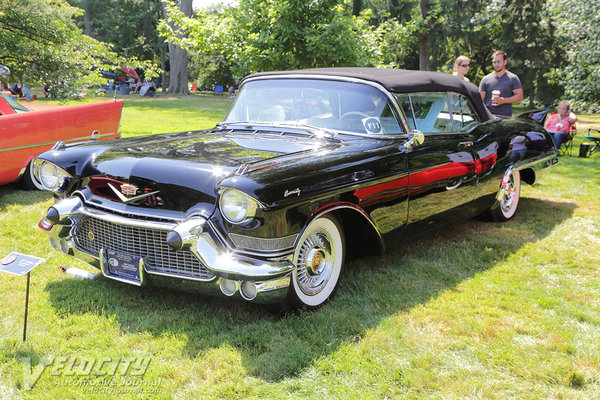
column 25, row 133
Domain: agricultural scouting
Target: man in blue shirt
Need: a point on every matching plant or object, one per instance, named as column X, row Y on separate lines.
column 505, row 84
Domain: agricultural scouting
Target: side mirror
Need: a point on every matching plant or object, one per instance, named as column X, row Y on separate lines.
column 415, row 139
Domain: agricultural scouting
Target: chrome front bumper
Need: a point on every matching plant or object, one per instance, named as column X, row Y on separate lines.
column 256, row 279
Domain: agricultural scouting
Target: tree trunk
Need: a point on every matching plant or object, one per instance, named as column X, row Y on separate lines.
column 163, row 66
column 178, row 57
column 423, row 39
column 87, row 18
column 394, row 9
column 356, row 7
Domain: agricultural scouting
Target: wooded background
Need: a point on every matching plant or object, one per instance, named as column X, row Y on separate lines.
column 552, row 45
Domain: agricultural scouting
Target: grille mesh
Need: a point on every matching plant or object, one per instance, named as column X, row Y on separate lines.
column 148, row 243
column 260, row 244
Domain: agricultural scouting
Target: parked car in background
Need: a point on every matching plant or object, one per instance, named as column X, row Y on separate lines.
column 308, row 168
column 25, row 133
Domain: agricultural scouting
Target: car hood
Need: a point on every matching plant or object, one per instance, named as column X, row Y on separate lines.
column 182, row 170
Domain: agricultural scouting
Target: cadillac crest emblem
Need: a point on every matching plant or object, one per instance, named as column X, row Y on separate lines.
column 128, row 189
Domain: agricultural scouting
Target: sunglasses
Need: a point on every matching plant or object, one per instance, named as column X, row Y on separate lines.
column 465, row 65
column 496, row 61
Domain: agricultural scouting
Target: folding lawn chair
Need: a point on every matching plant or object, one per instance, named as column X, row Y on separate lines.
column 568, row 145
column 595, row 139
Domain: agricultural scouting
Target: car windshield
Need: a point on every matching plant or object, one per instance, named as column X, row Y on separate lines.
column 328, row 104
column 13, row 103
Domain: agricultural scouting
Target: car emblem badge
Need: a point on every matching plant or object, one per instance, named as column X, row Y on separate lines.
column 291, row 192
column 128, row 190
column 317, row 262
column 91, row 235
column 132, row 190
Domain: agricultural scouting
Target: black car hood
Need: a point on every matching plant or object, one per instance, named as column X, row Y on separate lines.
column 184, row 168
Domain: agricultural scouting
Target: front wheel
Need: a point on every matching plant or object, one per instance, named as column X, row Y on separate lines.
column 318, row 259
column 508, row 197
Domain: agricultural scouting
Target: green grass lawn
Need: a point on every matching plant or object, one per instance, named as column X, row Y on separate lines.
column 477, row 311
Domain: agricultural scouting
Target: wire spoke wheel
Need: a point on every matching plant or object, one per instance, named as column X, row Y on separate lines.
column 509, row 195
column 318, row 259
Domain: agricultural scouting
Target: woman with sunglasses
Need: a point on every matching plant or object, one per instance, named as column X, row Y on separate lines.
column 461, row 67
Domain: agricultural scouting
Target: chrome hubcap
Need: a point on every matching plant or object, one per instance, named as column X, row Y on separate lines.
column 315, row 260
column 509, row 194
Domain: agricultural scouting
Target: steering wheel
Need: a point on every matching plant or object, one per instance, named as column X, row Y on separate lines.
column 352, row 120
column 354, row 113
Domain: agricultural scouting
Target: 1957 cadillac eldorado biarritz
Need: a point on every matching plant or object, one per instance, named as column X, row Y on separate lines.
column 307, row 168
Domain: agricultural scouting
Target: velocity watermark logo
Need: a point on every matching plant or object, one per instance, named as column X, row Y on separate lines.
column 90, row 372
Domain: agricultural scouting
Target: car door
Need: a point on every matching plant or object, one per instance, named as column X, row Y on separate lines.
column 443, row 170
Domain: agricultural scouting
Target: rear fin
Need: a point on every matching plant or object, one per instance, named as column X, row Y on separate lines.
column 536, row 115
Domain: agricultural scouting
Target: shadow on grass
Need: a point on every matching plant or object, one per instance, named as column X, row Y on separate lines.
column 371, row 290
column 12, row 195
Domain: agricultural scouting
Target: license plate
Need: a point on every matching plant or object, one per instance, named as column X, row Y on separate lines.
column 123, row 265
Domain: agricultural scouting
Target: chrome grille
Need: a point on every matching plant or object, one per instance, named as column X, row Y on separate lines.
column 93, row 234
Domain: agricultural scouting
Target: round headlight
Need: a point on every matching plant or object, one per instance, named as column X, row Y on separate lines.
column 49, row 175
column 236, row 206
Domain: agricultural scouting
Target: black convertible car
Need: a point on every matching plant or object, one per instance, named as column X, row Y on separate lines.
column 307, row 168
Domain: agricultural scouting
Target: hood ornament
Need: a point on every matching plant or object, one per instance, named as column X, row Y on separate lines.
column 130, row 190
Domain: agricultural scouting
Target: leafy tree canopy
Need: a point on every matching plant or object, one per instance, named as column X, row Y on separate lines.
column 129, row 25
column 41, row 43
column 578, row 34
column 260, row 35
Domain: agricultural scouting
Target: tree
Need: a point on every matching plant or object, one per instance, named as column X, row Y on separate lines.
column 424, row 38
column 527, row 37
column 263, row 35
column 465, row 27
column 129, row 25
column 578, row 34
column 40, row 42
column 178, row 56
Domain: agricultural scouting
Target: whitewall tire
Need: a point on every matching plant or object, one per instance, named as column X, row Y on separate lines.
column 318, row 258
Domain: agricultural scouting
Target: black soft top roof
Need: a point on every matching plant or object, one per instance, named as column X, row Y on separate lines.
column 399, row 81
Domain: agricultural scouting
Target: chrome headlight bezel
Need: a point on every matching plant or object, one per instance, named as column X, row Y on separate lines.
column 49, row 175
column 237, row 207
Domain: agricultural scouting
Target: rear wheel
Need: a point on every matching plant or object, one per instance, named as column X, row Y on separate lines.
column 318, row 258
column 508, row 197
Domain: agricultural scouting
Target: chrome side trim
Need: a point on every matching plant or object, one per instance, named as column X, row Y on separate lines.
column 78, row 139
column 538, row 162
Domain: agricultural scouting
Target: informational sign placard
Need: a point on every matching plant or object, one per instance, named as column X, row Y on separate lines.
column 19, row 264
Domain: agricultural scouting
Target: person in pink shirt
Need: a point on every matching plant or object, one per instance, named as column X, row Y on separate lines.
column 559, row 125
